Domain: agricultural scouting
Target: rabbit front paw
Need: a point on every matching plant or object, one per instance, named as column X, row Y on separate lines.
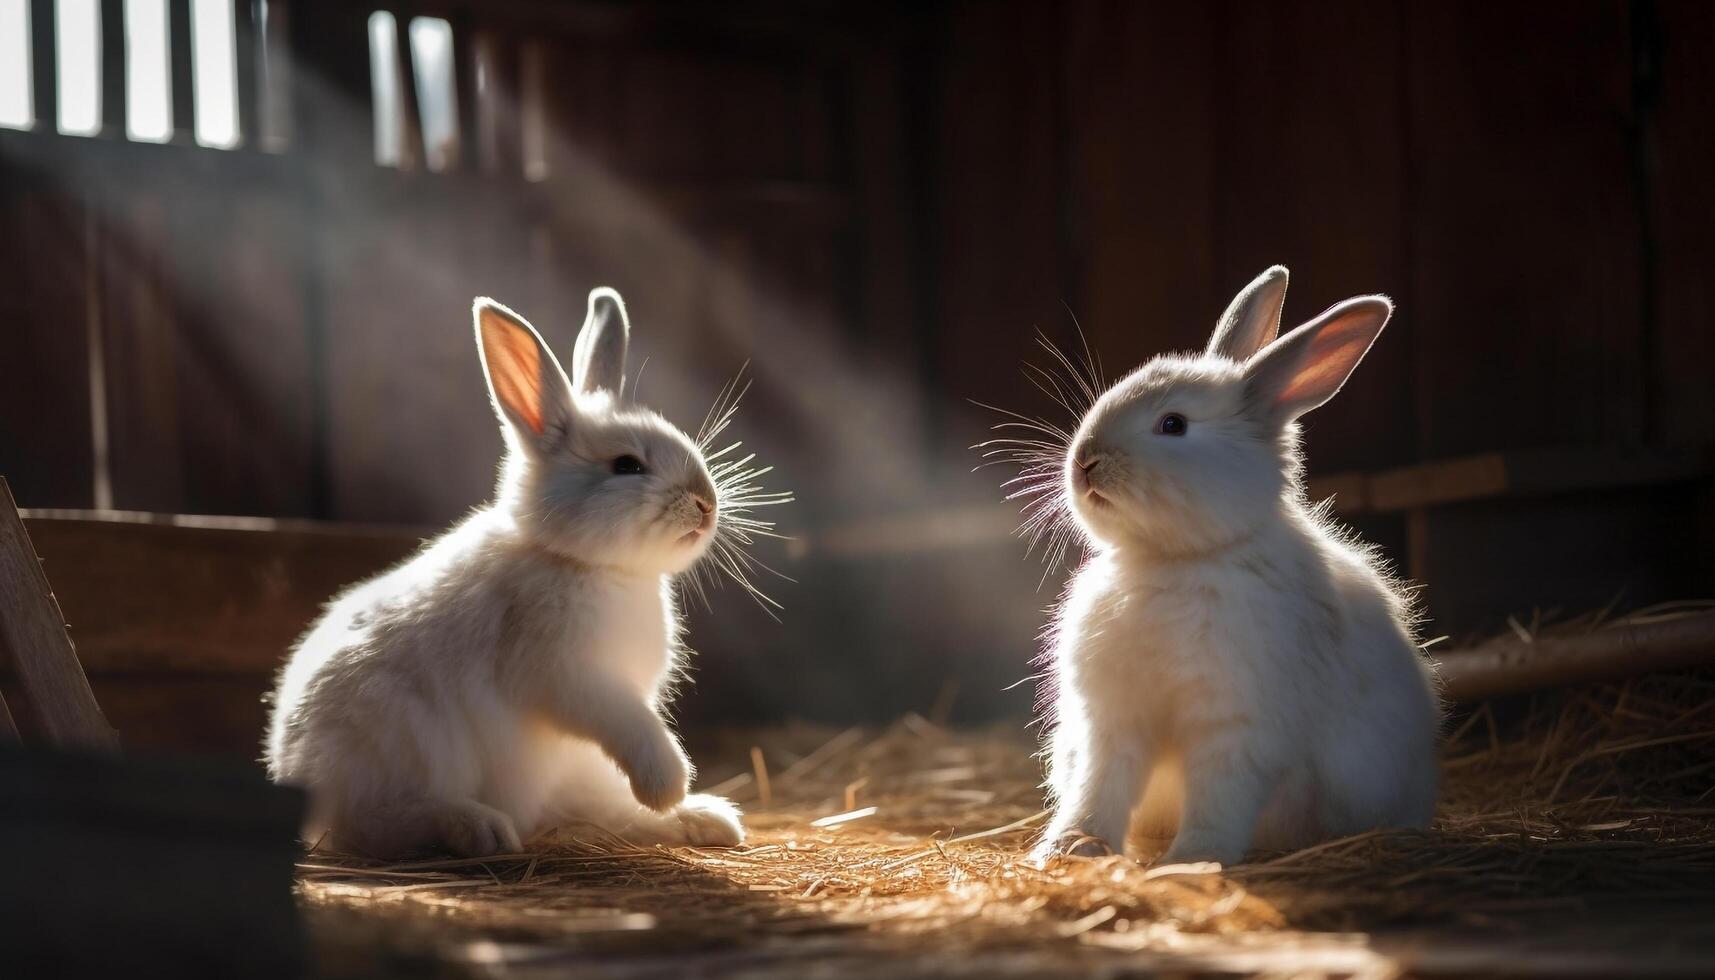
column 1070, row 843
column 662, row 777
column 710, row 821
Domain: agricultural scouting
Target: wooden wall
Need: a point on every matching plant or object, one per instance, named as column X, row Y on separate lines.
column 1517, row 176
column 876, row 206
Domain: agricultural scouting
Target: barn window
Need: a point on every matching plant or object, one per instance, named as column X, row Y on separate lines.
column 15, row 109
column 432, row 59
column 148, row 72
column 215, row 70
column 77, row 34
column 384, row 85
column 422, row 74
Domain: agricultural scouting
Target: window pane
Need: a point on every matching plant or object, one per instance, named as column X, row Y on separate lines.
column 432, row 56
column 16, row 111
column 78, row 47
column 215, row 70
column 148, row 74
column 384, row 81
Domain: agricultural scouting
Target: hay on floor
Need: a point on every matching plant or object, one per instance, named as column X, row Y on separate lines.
column 1577, row 834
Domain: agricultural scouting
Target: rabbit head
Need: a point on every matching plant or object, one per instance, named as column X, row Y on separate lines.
column 588, row 474
column 1192, row 452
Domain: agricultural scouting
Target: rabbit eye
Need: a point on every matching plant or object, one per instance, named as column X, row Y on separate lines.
column 627, row 465
column 1171, row 424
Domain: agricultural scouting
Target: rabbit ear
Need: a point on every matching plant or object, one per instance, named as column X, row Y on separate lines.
column 1252, row 318
column 525, row 382
column 598, row 363
column 1306, row 367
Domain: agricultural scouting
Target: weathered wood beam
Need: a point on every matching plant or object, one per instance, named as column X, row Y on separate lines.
column 1516, row 473
column 34, row 631
column 1512, row 665
column 212, row 596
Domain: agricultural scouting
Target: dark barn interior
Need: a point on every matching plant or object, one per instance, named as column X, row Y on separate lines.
column 239, row 371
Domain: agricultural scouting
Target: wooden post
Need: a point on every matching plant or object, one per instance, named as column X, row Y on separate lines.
column 34, row 630
column 113, row 57
column 497, row 138
column 465, row 67
column 44, row 59
column 246, row 36
column 181, row 77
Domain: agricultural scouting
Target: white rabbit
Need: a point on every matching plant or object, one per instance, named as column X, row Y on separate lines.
column 1227, row 664
column 511, row 676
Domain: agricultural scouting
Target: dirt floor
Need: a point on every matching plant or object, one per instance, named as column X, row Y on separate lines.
column 1577, row 837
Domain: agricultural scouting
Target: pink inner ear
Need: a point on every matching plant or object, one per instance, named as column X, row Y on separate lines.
column 514, row 368
column 1334, row 353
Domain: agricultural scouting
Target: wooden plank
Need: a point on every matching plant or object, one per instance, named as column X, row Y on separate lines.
column 886, row 136
column 240, row 357
column 1140, row 93
column 1566, row 552
column 113, row 76
column 1312, row 173
column 41, row 652
column 1677, row 158
column 45, row 415
column 332, row 105
column 217, row 714
column 333, row 130
column 1524, row 231
column 404, row 389
column 140, row 325
column 997, row 253
column 208, row 596
column 1468, row 478
column 180, row 76
column 1526, row 473
column 466, row 66
column 44, row 85
column 1351, row 491
column 1678, row 155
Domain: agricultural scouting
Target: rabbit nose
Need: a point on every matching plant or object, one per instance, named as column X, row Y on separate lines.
column 1087, row 458
column 703, row 504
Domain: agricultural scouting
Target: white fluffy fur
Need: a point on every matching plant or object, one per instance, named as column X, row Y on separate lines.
column 1228, row 668
column 510, row 677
